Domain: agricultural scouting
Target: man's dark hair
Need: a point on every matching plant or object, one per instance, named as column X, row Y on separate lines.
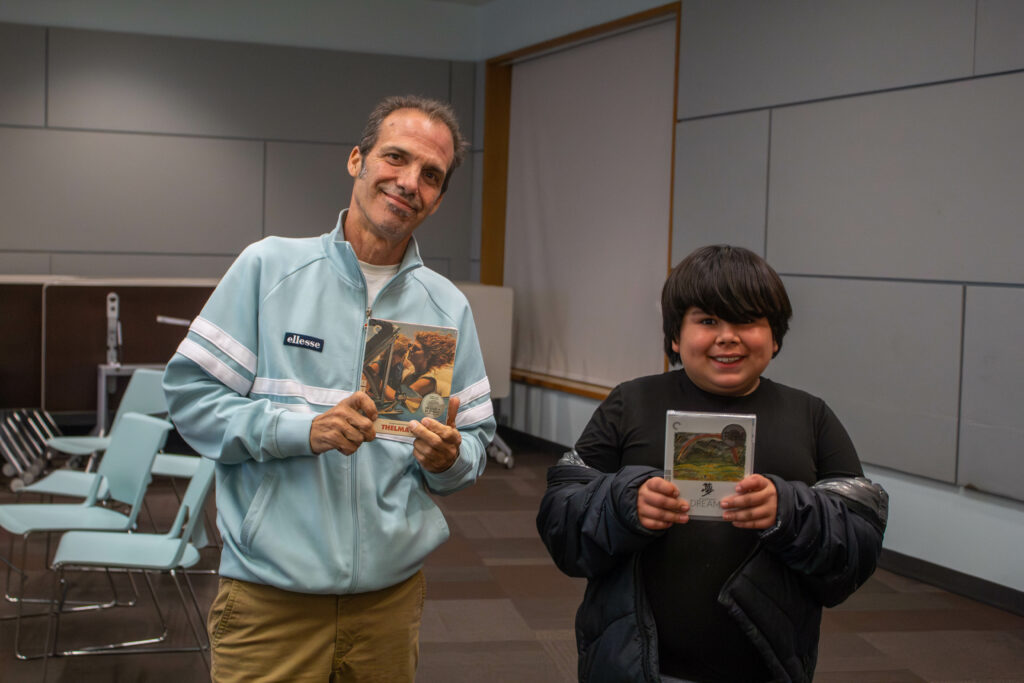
column 435, row 109
column 732, row 283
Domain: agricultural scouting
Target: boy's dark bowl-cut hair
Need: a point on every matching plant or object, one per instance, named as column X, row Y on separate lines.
column 732, row 283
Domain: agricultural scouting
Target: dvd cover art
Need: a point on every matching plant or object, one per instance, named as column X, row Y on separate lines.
column 705, row 455
column 407, row 371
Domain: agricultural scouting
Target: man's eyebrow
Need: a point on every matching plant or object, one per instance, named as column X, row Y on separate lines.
column 387, row 149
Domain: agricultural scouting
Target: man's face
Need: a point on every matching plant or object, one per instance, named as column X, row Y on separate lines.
column 722, row 357
column 398, row 182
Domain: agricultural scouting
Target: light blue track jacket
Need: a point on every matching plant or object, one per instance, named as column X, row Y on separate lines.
column 242, row 396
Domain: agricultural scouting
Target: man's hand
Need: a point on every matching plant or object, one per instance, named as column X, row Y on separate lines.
column 437, row 445
column 345, row 426
column 658, row 505
column 755, row 504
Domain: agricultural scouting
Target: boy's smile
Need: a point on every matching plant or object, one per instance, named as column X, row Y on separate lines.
column 722, row 357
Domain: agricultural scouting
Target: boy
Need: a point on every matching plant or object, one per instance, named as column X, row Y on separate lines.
column 670, row 598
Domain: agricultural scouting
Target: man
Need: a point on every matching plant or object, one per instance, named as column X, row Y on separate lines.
column 325, row 523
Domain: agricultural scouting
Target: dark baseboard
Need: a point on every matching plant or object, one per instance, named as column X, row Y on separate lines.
column 529, row 442
column 972, row 587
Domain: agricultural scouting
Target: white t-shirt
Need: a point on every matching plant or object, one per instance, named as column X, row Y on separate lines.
column 376, row 277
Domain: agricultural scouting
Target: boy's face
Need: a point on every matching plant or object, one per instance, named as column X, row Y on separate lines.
column 721, row 357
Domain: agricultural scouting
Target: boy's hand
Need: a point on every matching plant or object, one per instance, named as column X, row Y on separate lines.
column 658, row 505
column 755, row 504
column 437, row 445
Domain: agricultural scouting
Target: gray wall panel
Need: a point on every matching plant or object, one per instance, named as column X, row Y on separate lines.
column 140, row 265
column 480, row 82
column 463, row 96
column 79, row 191
column 20, row 263
column 307, row 185
column 22, row 75
column 738, row 54
column 991, row 436
column 115, row 81
column 446, row 234
column 1000, row 41
column 892, row 378
column 922, row 184
column 440, row 264
column 720, row 183
column 476, row 208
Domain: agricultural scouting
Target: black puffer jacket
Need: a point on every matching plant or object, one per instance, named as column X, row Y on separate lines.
column 825, row 545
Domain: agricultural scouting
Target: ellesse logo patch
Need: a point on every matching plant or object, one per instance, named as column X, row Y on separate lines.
column 303, row 341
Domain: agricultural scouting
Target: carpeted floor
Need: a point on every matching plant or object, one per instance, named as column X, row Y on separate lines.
column 497, row 610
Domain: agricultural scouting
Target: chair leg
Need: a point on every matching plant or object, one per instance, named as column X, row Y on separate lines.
column 78, row 605
column 149, row 516
column 200, row 645
column 53, row 617
column 112, row 648
column 22, row 572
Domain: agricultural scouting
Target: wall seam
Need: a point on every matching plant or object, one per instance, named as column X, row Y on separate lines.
column 767, row 184
column 909, row 280
column 848, row 96
column 974, row 45
column 193, row 136
column 46, row 78
column 960, row 386
column 263, row 194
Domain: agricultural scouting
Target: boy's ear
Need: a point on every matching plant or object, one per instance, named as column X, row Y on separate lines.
column 675, row 345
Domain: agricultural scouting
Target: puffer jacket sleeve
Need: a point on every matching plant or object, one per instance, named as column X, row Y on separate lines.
column 829, row 533
column 588, row 518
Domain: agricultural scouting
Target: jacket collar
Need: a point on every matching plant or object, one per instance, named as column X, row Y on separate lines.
column 340, row 252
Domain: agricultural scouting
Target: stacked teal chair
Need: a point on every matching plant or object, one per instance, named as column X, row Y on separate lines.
column 144, row 394
column 171, row 553
column 130, row 457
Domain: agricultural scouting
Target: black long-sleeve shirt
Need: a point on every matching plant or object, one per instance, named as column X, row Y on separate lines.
column 798, row 438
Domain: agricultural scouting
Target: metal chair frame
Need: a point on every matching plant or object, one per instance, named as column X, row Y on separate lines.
column 140, row 439
column 172, row 553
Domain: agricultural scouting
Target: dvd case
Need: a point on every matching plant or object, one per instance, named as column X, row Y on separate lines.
column 407, row 372
column 706, row 454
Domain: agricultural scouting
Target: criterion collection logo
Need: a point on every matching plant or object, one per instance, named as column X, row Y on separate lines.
column 303, row 341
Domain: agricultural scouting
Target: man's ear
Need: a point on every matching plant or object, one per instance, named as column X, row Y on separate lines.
column 355, row 162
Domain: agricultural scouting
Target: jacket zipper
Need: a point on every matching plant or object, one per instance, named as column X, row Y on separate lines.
column 353, row 473
column 352, row 469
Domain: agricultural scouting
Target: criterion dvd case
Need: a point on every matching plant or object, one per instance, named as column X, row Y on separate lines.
column 407, row 372
column 706, row 454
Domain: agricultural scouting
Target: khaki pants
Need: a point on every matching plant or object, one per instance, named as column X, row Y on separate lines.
column 260, row 633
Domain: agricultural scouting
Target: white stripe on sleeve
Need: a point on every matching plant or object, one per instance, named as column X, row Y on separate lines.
column 214, row 366
column 233, row 348
column 474, row 391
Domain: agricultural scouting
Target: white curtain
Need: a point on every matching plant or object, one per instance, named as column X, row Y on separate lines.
column 588, row 219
